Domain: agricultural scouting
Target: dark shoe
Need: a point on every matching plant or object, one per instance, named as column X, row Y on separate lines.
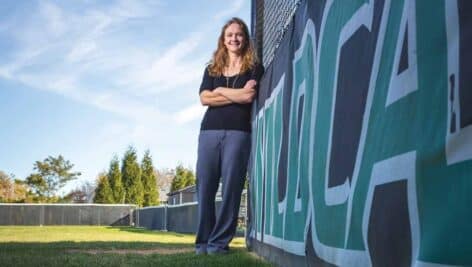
column 200, row 252
column 201, row 249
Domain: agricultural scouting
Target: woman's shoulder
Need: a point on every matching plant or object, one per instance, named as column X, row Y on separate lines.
column 207, row 70
column 207, row 67
column 210, row 70
column 259, row 67
column 257, row 71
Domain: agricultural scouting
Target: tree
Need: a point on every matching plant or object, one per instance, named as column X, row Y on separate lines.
column 51, row 175
column 81, row 194
column 164, row 179
column 103, row 192
column 5, row 187
column 148, row 177
column 20, row 191
column 75, row 196
column 131, row 174
column 183, row 177
column 12, row 189
column 116, row 182
column 189, row 177
column 178, row 181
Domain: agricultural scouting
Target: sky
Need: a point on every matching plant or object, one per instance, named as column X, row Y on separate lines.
column 86, row 79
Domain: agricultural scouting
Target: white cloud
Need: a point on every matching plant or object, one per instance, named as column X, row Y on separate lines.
column 54, row 18
column 190, row 113
column 63, row 84
column 43, row 42
column 5, row 72
column 81, row 51
column 126, row 9
column 233, row 9
column 173, row 68
column 74, row 48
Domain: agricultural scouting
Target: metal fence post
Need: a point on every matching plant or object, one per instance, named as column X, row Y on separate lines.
column 131, row 215
column 98, row 221
column 165, row 217
column 41, row 216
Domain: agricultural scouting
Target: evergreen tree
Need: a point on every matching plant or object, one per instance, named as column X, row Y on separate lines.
column 189, row 177
column 148, row 177
column 103, row 192
column 131, row 175
column 177, row 182
column 183, row 178
column 115, row 180
column 6, row 187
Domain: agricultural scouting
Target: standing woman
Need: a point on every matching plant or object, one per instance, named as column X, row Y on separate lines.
column 228, row 88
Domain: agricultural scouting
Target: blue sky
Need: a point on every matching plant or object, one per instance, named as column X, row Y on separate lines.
column 86, row 79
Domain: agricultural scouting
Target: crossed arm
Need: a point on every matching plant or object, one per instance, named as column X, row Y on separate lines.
column 223, row 96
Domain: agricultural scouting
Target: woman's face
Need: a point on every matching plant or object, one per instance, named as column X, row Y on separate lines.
column 234, row 38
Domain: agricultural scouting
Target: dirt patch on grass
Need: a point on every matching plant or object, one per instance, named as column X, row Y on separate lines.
column 164, row 251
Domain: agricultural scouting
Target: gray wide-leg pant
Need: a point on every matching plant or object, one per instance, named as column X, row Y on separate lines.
column 225, row 154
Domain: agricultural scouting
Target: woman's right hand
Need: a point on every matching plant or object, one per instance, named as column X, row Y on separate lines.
column 251, row 84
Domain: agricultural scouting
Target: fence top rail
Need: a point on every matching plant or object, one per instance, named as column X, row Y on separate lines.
column 183, row 204
column 153, row 207
column 170, row 206
column 68, row 204
column 176, row 205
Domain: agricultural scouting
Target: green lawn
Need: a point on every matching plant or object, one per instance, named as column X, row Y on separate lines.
column 109, row 246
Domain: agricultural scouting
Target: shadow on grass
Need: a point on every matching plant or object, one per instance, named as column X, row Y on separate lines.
column 240, row 232
column 58, row 254
column 9, row 246
column 238, row 242
column 147, row 231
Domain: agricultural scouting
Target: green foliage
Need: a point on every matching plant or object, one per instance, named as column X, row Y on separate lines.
column 116, row 182
column 131, row 175
column 51, row 175
column 148, row 177
column 13, row 190
column 190, row 178
column 183, row 177
column 37, row 184
column 103, row 193
column 20, row 192
column 5, row 187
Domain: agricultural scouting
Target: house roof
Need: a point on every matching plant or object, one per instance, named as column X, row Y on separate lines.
column 188, row 189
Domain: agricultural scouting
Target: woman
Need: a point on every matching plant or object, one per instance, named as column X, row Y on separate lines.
column 228, row 88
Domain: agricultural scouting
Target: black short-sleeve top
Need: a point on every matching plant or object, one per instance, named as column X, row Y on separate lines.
column 233, row 116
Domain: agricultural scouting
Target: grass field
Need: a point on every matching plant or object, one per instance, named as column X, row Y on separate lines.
column 110, row 246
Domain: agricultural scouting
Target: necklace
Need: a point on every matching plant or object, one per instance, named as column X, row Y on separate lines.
column 227, row 70
column 234, row 82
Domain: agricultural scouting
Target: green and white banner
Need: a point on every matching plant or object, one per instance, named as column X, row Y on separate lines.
column 362, row 136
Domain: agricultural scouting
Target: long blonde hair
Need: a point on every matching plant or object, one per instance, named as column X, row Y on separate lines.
column 220, row 56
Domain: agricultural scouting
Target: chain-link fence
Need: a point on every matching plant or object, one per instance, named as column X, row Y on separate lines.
column 270, row 19
column 66, row 214
column 180, row 218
